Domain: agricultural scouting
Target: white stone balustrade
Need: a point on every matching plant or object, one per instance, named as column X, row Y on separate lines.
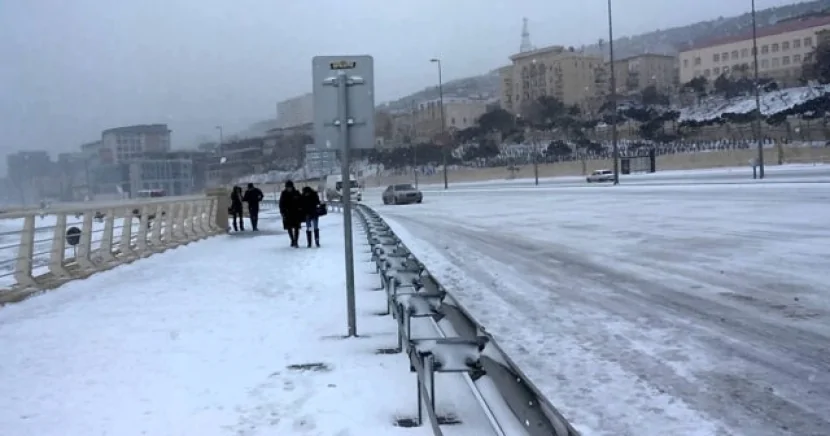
column 36, row 257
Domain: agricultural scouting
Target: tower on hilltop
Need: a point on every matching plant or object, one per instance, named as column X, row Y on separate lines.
column 526, row 45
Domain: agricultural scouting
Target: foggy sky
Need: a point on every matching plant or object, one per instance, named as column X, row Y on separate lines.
column 71, row 68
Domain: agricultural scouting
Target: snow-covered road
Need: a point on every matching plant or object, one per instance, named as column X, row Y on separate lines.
column 682, row 310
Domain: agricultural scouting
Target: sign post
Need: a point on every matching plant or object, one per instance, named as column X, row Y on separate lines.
column 344, row 113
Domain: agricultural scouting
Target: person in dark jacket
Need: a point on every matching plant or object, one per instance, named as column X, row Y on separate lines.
column 236, row 209
column 253, row 196
column 291, row 209
column 311, row 201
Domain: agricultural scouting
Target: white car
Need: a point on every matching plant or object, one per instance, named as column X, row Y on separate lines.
column 599, row 176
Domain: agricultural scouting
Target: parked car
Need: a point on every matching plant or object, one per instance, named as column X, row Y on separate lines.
column 601, row 176
column 402, row 194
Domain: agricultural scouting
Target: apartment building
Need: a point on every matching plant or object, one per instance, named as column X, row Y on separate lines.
column 123, row 144
column 782, row 50
column 459, row 113
column 635, row 73
column 295, row 111
column 566, row 74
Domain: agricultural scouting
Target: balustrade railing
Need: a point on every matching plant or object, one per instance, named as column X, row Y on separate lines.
column 44, row 248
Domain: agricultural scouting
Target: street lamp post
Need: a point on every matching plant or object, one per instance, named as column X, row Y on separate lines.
column 221, row 155
column 757, row 120
column 412, row 143
column 616, row 151
column 443, row 118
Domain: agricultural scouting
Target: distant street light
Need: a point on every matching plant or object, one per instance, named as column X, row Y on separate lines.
column 222, row 158
column 614, row 144
column 443, row 118
column 757, row 120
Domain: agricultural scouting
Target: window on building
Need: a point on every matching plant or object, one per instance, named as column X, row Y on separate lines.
column 697, row 60
column 776, row 62
column 734, row 54
column 745, row 53
column 808, row 41
column 764, row 63
column 707, row 73
column 785, row 45
column 685, row 63
column 796, row 43
column 726, row 70
column 724, row 56
column 808, row 57
column 775, row 48
column 716, row 57
column 717, row 71
column 796, row 59
column 785, row 60
column 764, row 49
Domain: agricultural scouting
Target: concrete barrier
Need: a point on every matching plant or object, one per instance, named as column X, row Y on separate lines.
column 680, row 161
column 43, row 249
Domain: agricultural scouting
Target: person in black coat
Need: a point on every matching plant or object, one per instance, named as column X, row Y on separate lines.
column 253, row 196
column 311, row 203
column 291, row 209
column 236, row 209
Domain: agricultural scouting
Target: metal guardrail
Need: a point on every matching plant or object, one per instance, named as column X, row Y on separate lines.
column 55, row 245
column 463, row 345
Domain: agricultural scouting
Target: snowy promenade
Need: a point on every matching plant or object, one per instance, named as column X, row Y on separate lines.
column 235, row 335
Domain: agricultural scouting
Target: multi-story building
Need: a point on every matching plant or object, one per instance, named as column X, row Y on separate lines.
column 506, row 88
column 633, row 74
column 296, row 111
column 123, row 144
column 566, row 74
column 459, row 113
column 174, row 173
column 33, row 174
column 782, row 50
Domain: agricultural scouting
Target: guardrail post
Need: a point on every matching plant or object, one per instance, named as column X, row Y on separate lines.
column 23, row 264
column 219, row 209
column 141, row 240
column 170, row 225
column 179, row 224
column 105, row 249
column 203, row 222
column 187, row 221
column 84, row 255
column 125, row 248
column 158, row 221
column 57, row 254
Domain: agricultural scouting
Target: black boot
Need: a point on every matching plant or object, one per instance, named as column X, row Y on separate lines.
column 291, row 236
column 296, row 238
column 308, row 238
column 316, row 237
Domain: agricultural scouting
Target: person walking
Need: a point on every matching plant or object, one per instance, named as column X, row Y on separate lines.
column 311, row 204
column 236, row 209
column 291, row 209
column 253, row 196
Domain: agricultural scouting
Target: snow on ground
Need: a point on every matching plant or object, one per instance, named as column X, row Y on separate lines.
column 771, row 103
column 202, row 339
column 690, row 310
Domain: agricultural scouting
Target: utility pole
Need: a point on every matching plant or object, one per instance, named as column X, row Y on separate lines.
column 412, row 143
column 614, row 144
column 443, row 119
column 221, row 156
column 757, row 120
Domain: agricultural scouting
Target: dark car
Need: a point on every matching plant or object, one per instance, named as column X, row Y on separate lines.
column 402, row 194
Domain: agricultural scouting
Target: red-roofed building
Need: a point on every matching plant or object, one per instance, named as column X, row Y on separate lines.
column 782, row 49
